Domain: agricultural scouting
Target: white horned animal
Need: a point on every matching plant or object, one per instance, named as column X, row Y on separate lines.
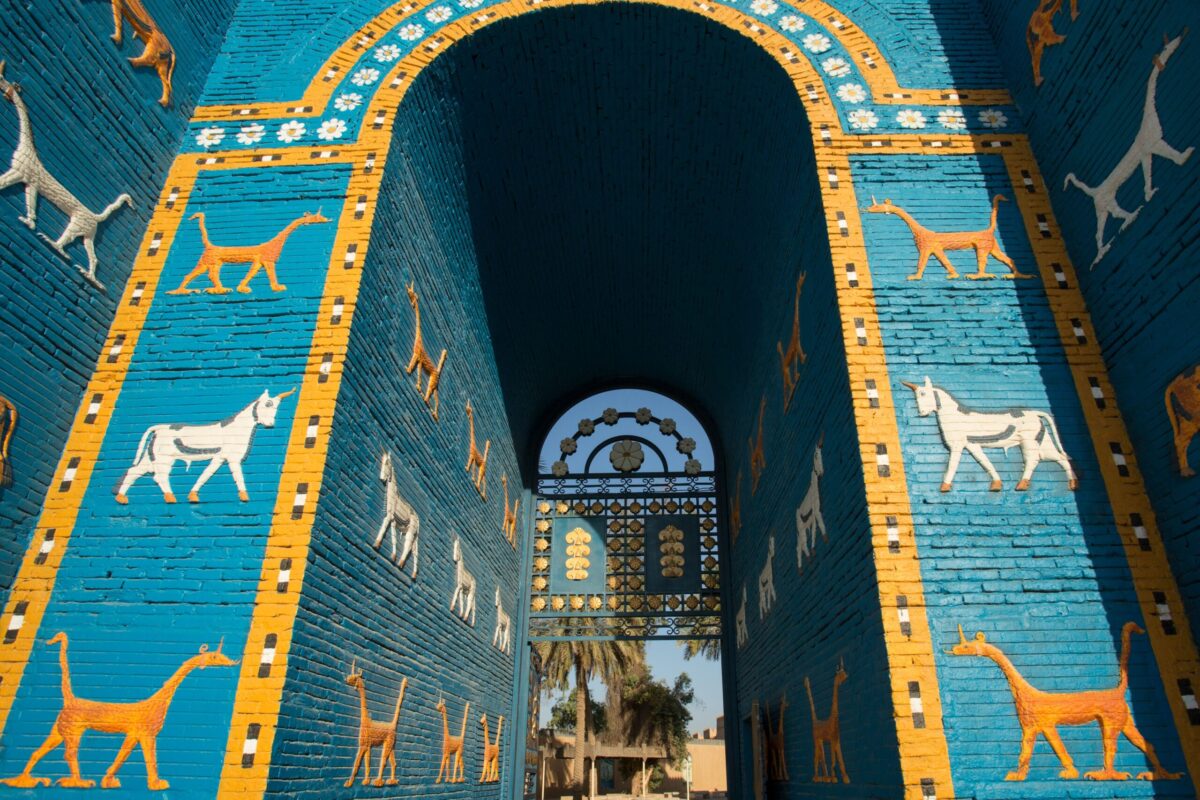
column 1148, row 143
column 224, row 442
column 743, row 634
column 1033, row 431
column 503, row 633
column 398, row 515
column 27, row 168
column 462, row 602
column 809, row 519
column 766, row 581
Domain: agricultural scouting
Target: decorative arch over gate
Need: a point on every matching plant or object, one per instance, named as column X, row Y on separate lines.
column 353, row 150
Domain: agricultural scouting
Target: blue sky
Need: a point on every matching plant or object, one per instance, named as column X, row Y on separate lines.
column 626, row 400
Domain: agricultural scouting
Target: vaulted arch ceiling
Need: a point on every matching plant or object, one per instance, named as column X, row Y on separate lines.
column 637, row 185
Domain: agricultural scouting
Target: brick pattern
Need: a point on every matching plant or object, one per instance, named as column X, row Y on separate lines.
column 394, row 625
column 1141, row 294
column 298, row 592
column 97, row 130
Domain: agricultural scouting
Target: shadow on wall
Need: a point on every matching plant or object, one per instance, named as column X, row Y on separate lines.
column 95, row 152
column 640, row 231
column 1122, row 177
column 1028, row 553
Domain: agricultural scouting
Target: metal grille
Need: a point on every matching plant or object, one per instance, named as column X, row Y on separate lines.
column 637, row 599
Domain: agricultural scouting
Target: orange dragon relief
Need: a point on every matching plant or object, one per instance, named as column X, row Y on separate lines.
column 1042, row 712
column 141, row 723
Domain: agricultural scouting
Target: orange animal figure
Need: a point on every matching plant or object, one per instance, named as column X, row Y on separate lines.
column 491, row 752
column 8, row 424
column 1041, row 34
column 932, row 243
column 1183, row 410
column 421, row 361
column 791, row 359
column 758, row 461
column 141, row 723
column 452, row 767
column 258, row 256
column 735, row 509
column 476, row 459
column 1042, row 712
column 157, row 54
column 510, row 514
column 374, row 734
column 776, row 751
column 828, row 730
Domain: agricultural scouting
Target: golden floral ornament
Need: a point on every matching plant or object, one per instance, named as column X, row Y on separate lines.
column 626, row 456
column 568, row 445
column 610, row 416
column 666, row 427
column 692, row 467
column 586, row 427
column 670, row 545
column 686, row 445
column 539, row 604
column 643, row 415
column 559, row 469
column 577, row 563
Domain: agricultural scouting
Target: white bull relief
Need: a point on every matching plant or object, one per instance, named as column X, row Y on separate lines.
column 224, row 442
column 1033, row 431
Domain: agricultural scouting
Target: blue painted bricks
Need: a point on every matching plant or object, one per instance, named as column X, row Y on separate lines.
column 585, row 194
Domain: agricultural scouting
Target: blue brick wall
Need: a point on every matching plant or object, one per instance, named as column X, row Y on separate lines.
column 1041, row 573
column 142, row 586
column 531, row 255
column 357, row 604
column 828, row 610
column 1143, row 293
column 99, row 130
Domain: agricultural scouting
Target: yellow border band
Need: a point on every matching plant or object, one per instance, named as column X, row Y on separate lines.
column 923, row 752
column 34, row 583
column 257, row 703
column 875, row 69
column 1176, row 654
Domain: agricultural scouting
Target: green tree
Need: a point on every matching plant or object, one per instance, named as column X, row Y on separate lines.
column 562, row 715
column 657, row 713
column 579, row 661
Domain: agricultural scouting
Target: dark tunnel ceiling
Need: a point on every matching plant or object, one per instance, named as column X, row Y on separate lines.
column 639, row 181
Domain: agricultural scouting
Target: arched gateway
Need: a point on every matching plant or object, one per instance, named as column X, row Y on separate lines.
column 395, row 243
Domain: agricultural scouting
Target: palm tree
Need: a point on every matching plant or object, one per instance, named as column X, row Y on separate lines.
column 704, row 648
column 583, row 660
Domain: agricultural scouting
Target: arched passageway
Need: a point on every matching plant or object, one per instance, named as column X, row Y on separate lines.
column 680, row 194
column 635, row 214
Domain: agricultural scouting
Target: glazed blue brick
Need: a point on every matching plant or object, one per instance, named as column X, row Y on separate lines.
column 99, row 130
column 1142, row 295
